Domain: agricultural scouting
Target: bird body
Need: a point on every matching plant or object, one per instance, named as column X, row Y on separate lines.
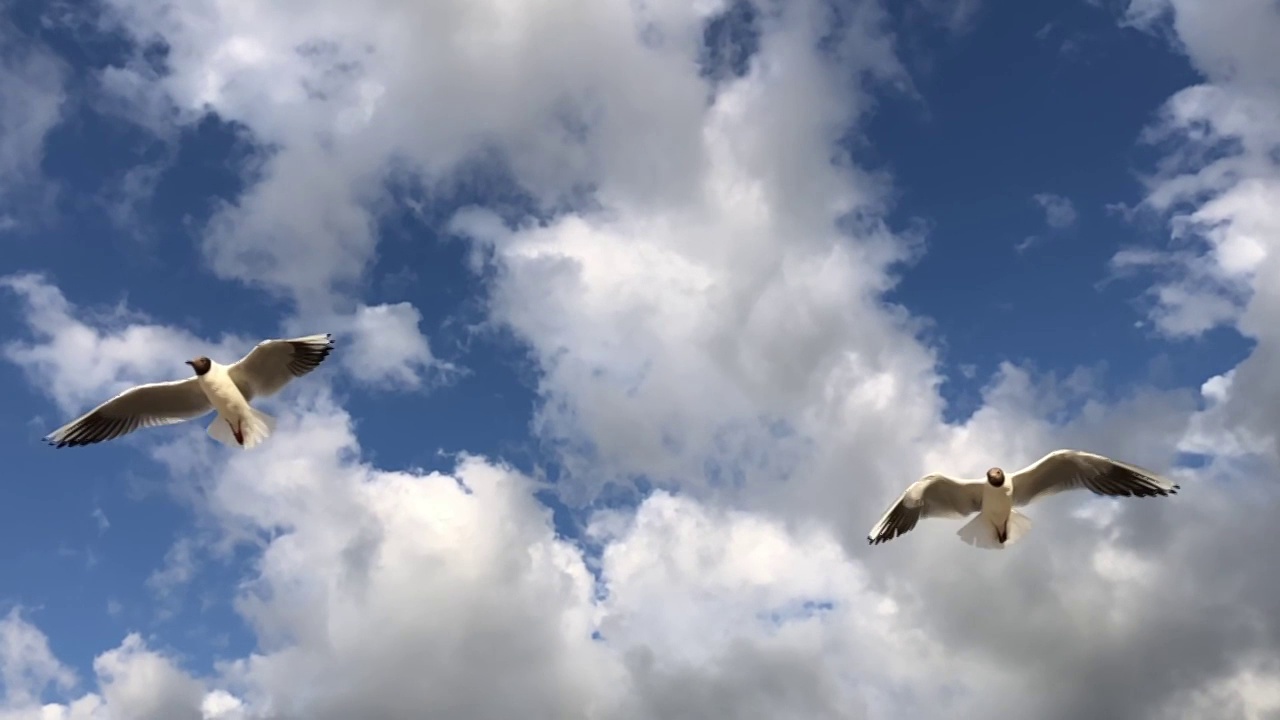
column 225, row 389
column 997, row 505
column 997, row 523
column 248, row 426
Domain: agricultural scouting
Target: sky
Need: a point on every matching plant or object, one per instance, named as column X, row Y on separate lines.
column 644, row 313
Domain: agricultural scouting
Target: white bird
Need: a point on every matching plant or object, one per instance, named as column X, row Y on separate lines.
column 997, row 523
column 267, row 368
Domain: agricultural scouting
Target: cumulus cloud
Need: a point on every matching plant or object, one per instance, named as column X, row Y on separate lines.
column 1216, row 188
column 27, row 665
column 385, row 592
column 702, row 286
column 79, row 362
column 388, row 348
column 82, row 355
column 132, row 680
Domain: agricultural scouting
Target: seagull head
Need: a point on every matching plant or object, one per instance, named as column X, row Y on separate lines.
column 995, row 476
column 201, row 364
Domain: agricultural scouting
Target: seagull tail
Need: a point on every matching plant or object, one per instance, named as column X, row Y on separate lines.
column 254, row 428
column 1019, row 524
column 981, row 532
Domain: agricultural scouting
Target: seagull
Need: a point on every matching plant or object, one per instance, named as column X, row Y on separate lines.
column 998, row 524
column 268, row 367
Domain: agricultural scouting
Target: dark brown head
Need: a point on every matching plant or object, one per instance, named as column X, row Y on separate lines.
column 995, row 476
column 201, row 365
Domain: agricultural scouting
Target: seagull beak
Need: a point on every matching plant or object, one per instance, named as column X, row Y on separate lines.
column 192, row 363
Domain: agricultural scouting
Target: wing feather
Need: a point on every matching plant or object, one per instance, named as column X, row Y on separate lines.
column 142, row 406
column 1063, row 470
column 271, row 364
column 932, row 496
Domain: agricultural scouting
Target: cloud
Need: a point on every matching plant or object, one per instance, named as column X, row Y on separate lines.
column 80, row 363
column 1059, row 212
column 387, row 348
column 100, row 519
column 957, row 16
column 1059, row 216
column 179, row 568
column 32, row 86
column 133, row 681
column 327, row 96
column 1215, row 186
column 702, row 286
column 383, row 593
column 27, row 666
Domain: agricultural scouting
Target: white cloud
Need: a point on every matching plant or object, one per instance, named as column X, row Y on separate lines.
column 79, row 365
column 1217, row 187
column 383, row 593
column 27, row 665
column 345, row 96
column 387, row 347
column 711, row 316
column 32, row 97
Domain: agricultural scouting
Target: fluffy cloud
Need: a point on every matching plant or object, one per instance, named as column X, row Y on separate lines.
column 387, row 347
column 80, row 363
column 343, row 97
column 27, row 666
column 1217, row 188
column 382, row 593
column 31, row 83
column 702, row 288
column 81, row 356
column 133, row 682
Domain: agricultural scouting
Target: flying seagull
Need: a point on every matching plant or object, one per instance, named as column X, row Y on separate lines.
column 225, row 388
column 997, row 523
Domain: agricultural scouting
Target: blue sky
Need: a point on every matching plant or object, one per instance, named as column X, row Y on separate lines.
column 991, row 151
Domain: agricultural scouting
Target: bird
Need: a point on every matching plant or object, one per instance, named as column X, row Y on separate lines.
column 998, row 525
column 228, row 389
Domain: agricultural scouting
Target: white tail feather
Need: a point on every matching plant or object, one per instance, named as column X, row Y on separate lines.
column 254, row 428
column 1018, row 526
column 979, row 532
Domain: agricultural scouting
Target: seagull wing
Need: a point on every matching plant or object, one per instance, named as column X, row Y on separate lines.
column 933, row 496
column 273, row 363
column 1063, row 470
column 143, row 406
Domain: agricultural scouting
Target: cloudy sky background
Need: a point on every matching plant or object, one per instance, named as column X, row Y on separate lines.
column 644, row 313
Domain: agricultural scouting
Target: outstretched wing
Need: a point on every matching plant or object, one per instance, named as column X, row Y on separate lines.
column 933, row 496
column 273, row 363
column 1063, row 470
column 138, row 407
